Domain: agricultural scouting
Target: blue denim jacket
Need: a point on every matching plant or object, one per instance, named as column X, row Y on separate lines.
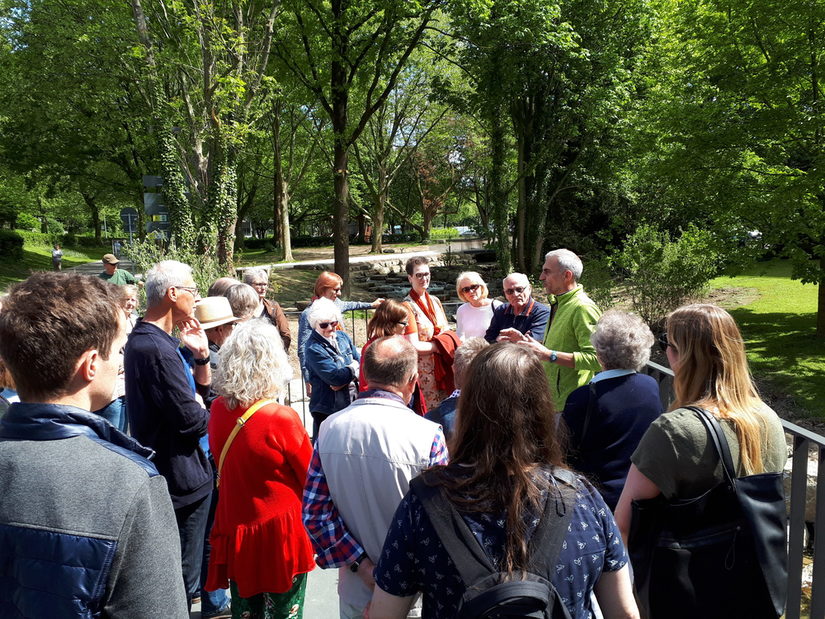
column 327, row 368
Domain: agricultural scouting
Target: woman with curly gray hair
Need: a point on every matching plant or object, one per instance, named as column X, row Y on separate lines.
column 607, row 418
column 259, row 545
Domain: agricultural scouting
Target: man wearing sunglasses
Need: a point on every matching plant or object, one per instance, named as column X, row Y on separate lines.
column 570, row 358
column 521, row 314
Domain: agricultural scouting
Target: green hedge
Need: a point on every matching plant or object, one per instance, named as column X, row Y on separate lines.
column 11, row 244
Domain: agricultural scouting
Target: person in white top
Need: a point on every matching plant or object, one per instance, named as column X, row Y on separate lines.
column 473, row 317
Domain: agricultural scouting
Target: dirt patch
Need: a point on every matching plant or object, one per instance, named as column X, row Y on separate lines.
column 732, row 297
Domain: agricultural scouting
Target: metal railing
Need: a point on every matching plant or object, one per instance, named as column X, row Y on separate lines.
column 803, row 442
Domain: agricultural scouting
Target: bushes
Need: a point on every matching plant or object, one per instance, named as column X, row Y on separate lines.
column 661, row 273
column 11, row 244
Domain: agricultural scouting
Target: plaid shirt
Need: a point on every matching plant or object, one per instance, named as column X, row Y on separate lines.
column 334, row 544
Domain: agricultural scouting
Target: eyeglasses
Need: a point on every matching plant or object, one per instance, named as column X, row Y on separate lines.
column 472, row 288
column 259, row 284
column 421, row 275
column 664, row 342
column 331, row 323
column 403, row 323
column 336, row 290
column 515, row 290
column 190, row 289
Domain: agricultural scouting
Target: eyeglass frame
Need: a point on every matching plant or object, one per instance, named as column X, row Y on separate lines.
column 515, row 290
column 327, row 323
column 470, row 288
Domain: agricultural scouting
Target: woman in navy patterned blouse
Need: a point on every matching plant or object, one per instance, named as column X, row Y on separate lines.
column 499, row 476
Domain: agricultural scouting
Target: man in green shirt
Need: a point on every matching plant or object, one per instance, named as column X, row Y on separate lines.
column 570, row 358
column 112, row 274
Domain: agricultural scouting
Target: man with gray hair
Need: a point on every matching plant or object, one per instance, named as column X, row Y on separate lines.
column 165, row 411
column 570, row 359
column 444, row 413
column 258, row 278
column 521, row 312
column 361, row 468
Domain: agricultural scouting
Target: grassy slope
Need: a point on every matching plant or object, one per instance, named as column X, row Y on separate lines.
column 778, row 327
column 39, row 258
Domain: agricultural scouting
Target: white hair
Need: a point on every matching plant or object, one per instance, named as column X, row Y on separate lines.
column 243, row 300
column 521, row 278
column 568, row 261
column 622, row 341
column 250, row 275
column 163, row 276
column 323, row 310
column 474, row 278
column 252, row 364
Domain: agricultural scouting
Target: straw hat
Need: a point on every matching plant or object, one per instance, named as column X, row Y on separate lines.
column 213, row 312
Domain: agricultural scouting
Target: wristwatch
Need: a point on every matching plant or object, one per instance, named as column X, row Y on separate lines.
column 203, row 361
column 553, row 356
column 354, row 566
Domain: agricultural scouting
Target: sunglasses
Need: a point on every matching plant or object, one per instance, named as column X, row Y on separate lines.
column 422, row 275
column 403, row 323
column 515, row 290
column 331, row 323
column 663, row 341
column 472, row 288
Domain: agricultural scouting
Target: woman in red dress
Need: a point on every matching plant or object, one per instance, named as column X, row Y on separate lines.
column 259, row 545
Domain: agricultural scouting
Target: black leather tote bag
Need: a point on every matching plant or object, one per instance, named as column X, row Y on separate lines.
column 722, row 554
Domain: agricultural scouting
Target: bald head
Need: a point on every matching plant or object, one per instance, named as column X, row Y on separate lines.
column 390, row 362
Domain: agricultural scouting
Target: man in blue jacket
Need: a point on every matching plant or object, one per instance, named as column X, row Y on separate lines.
column 86, row 525
column 165, row 410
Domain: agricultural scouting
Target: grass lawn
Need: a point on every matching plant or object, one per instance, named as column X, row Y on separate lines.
column 777, row 316
column 39, row 258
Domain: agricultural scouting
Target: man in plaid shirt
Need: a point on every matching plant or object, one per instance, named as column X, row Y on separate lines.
column 364, row 459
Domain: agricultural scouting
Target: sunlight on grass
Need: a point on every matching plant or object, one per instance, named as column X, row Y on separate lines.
column 779, row 330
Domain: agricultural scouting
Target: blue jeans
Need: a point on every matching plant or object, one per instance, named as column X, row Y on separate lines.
column 192, row 528
column 115, row 413
column 211, row 601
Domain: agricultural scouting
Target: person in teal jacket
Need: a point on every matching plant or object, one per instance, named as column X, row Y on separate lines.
column 570, row 359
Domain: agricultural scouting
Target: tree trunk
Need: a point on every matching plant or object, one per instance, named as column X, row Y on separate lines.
column 223, row 198
column 820, row 306
column 94, row 210
column 498, row 194
column 378, row 223
column 286, row 237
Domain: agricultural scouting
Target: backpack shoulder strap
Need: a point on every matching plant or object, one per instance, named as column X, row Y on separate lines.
column 546, row 541
column 466, row 553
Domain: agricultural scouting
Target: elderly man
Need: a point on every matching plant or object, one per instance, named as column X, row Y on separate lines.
column 114, row 275
column 165, row 412
column 364, row 459
column 86, row 525
column 259, row 279
column 444, row 414
column 521, row 312
column 566, row 348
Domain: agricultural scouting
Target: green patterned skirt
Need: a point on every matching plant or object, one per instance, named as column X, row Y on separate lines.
column 289, row 605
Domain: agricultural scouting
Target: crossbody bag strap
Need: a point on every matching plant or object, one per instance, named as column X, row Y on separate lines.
column 239, row 423
column 546, row 541
column 719, row 440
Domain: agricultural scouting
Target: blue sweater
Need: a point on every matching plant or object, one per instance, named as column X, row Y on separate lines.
column 625, row 407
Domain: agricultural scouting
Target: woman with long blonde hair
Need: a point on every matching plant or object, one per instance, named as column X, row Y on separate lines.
column 674, row 458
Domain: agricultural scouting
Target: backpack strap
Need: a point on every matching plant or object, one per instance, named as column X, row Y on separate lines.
column 469, row 558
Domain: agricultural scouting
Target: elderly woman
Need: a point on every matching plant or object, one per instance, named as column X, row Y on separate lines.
column 259, row 545
column 129, row 303
column 473, row 317
column 245, row 302
column 258, row 278
column 607, row 418
column 429, row 321
column 332, row 363
column 505, row 476
column 327, row 286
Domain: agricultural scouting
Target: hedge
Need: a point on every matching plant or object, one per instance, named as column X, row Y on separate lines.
column 11, row 244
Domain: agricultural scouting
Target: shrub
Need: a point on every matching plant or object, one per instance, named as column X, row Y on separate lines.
column 597, row 280
column 11, row 244
column 661, row 273
column 28, row 222
column 444, row 233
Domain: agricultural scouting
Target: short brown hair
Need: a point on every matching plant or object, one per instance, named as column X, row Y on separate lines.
column 388, row 314
column 48, row 321
column 414, row 262
column 390, row 361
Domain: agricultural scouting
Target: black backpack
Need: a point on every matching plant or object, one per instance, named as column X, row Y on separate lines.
column 489, row 594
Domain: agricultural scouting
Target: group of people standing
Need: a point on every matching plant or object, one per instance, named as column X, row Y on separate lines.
column 528, row 418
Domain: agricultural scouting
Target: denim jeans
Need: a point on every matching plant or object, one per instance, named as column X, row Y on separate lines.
column 115, row 413
column 211, row 601
column 192, row 528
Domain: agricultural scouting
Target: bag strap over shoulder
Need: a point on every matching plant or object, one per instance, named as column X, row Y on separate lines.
column 471, row 562
column 239, row 423
column 717, row 436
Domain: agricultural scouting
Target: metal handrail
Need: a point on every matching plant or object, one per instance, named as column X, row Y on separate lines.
column 803, row 441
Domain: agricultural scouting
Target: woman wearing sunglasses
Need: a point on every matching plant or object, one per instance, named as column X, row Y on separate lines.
column 332, row 363
column 474, row 316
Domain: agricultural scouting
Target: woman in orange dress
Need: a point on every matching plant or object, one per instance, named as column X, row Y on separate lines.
column 259, row 545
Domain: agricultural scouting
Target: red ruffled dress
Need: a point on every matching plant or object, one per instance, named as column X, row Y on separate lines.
column 258, row 539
